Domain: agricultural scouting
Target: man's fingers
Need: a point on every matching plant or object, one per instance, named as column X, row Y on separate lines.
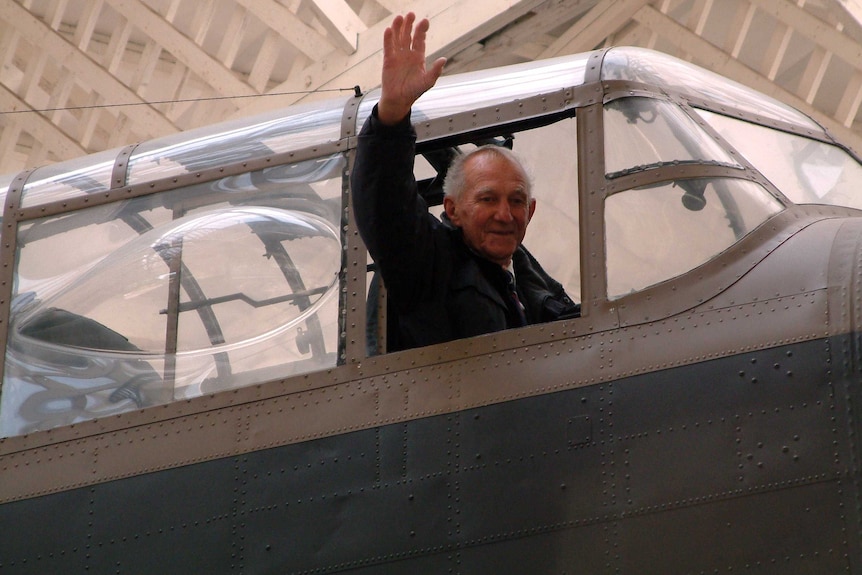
column 405, row 31
column 419, row 35
column 388, row 40
column 436, row 70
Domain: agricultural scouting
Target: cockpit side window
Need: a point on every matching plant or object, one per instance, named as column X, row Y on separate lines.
column 169, row 296
column 553, row 234
column 661, row 231
column 642, row 133
column 806, row 171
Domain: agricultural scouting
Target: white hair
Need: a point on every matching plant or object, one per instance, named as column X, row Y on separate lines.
column 455, row 181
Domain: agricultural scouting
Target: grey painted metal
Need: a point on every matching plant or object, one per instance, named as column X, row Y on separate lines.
column 353, row 294
column 121, row 166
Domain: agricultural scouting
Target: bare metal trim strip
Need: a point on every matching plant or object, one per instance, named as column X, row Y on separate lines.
column 9, row 241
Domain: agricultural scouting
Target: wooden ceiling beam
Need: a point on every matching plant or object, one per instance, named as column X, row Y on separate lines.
column 848, row 107
column 776, row 50
column 9, row 134
column 526, row 38
column 235, row 27
column 741, row 26
column 818, row 31
column 25, row 119
column 720, row 62
column 290, row 27
column 395, row 6
column 454, row 25
column 85, row 70
column 341, row 22
column 87, row 23
column 116, row 49
column 591, row 29
column 853, row 9
column 814, row 73
column 220, row 78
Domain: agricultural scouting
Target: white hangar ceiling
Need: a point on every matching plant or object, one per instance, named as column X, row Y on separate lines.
column 81, row 76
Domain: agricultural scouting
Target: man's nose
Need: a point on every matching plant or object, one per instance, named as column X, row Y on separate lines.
column 503, row 212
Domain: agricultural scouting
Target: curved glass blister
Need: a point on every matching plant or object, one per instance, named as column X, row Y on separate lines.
column 655, row 233
column 167, row 297
column 651, row 67
column 646, row 132
column 806, row 171
column 465, row 92
column 236, row 141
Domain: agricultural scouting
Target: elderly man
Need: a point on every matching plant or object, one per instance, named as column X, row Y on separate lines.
column 468, row 274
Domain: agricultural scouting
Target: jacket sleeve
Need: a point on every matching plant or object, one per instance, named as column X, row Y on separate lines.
column 392, row 218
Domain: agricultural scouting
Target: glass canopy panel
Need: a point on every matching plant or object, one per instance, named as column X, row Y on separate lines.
column 464, row 92
column 655, row 233
column 236, row 141
column 70, row 179
column 646, row 132
column 550, row 154
column 148, row 301
column 662, row 70
column 806, row 171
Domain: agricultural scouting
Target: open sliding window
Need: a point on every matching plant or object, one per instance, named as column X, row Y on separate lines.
column 549, row 153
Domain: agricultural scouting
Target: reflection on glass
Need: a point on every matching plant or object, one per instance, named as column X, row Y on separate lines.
column 236, row 141
column 651, row 67
column 806, row 171
column 658, row 232
column 550, row 153
column 171, row 296
column 70, row 179
column 464, row 92
column 645, row 132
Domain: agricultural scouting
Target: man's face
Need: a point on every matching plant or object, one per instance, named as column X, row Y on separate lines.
column 494, row 208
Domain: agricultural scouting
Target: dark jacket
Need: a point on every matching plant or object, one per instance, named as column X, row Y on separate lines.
column 438, row 288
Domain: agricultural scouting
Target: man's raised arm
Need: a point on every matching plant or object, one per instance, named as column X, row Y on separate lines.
column 404, row 77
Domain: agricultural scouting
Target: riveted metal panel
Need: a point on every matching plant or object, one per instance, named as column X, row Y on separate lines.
column 385, row 392
column 540, row 109
column 583, row 477
column 352, row 297
column 683, row 171
column 707, row 281
column 170, row 183
column 189, row 508
column 121, row 166
column 8, row 247
column 772, row 532
column 62, row 519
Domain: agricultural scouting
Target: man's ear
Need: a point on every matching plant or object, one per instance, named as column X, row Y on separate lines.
column 449, row 206
column 532, row 209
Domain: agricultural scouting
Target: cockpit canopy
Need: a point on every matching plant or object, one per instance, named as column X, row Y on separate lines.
column 226, row 256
